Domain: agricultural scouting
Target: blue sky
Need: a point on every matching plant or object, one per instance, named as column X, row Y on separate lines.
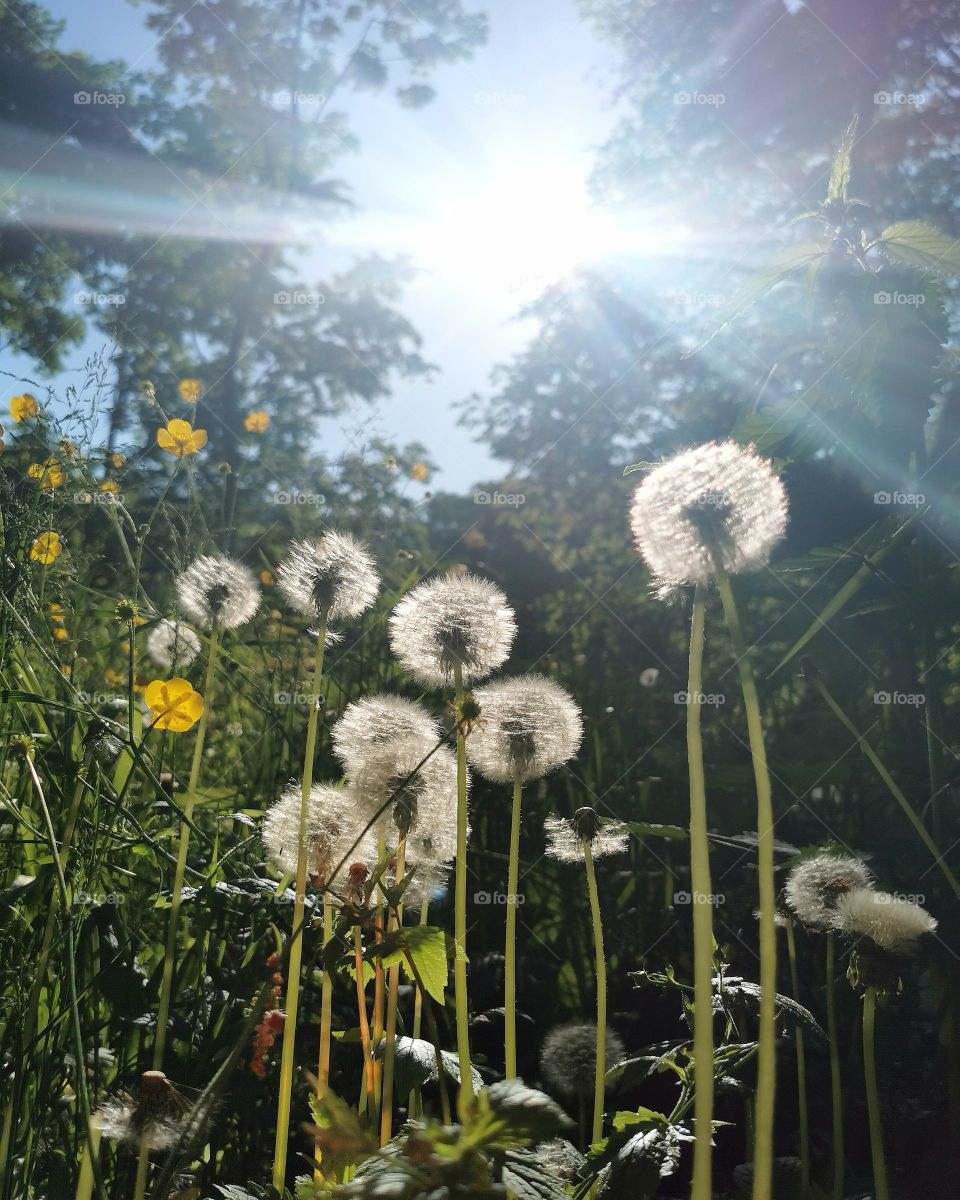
column 508, row 133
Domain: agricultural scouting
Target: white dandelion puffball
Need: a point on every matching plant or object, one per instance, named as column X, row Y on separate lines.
column 447, row 623
column 375, row 721
column 890, row 921
column 568, row 1059
column 814, row 886
column 217, row 590
column 335, row 820
column 417, row 778
column 720, row 495
column 528, row 727
column 172, row 644
column 333, row 574
column 118, row 1121
column 565, row 843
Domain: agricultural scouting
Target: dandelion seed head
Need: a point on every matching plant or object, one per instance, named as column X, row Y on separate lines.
column 334, row 573
column 815, row 885
column 568, row 1058
column 890, row 921
column 528, row 727
column 216, row 589
column 422, row 806
column 172, row 644
column 565, row 840
column 444, row 623
column 376, row 721
column 335, row 820
column 720, row 495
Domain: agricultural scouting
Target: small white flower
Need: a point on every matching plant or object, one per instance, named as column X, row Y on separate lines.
column 216, row 589
column 172, row 645
column 373, row 722
column 815, row 885
column 565, row 841
column 334, row 573
column 888, row 920
column 716, row 499
column 568, row 1059
column 528, row 726
column 449, row 622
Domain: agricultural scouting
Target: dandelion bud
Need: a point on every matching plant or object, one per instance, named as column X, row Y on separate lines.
column 815, row 886
column 527, row 727
column 719, row 503
column 333, row 575
column 568, row 1059
column 217, row 590
column 449, row 623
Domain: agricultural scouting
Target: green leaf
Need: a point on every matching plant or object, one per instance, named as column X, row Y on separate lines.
column 652, row 829
column 342, row 1139
column 920, row 245
column 517, row 1115
column 416, row 1064
column 426, row 945
column 840, row 169
column 525, row 1177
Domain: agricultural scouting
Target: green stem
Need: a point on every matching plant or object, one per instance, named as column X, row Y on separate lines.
column 390, row 1046
column 510, row 957
column 90, row 1152
column 415, row 1102
column 766, row 1058
column 873, row 1095
column 872, row 757
column 599, row 1085
column 700, row 887
column 801, row 1069
column 296, row 947
column 326, row 1025
column 460, row 913
column 836, row 1088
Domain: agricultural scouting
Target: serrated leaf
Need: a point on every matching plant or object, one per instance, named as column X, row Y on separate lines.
column 415, row 1062
column 517, row 1115
column 525, row 1178
column 840, row 169
column 922, row 246
column 426, row 945
column 341, row 1138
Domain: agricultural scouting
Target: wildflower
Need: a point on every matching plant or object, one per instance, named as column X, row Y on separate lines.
column 24, row 408
column 568, row 1059
column 447, row 624
column 172, row 644
column 46, row 549
column 110, row 487
column 417, row 777
column 267, row 579
column 565, row 838
column 891, row 922
column 175, row 705
column 190, row 390
column 116, row 460
column 256, row 422
column 180, row 439
column 49, row 474
column 152, row 1121
column 60, row 634
column 333, row 575
column 56, row 614
column 265, row 1035
column 68, row 450
column 334, row 823
column 718, row 502
column 815, row 885
column 216, row 589
column 528, row 726
column 127, row 612
column 419, row 472
column 376, row 720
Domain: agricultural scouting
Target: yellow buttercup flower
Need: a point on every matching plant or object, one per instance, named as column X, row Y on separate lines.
column 56, row 614
column 419, row 471
column 267, row 579
column 180, row 439
column 24, row 408
column 175, row 705
column 190, row 390
column 60, row 634
column 46, row 548
column 256, row 422
column 49, row 474
column 110, row 486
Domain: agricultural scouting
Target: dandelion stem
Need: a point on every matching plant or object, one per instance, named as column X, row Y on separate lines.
column 460, row 911
column 368, row 1074
column 873, row 1095
column 766, row 1058
column 600, row 1068
column 90, row 1152
column 702, row 911
column 801, row 1068
column 510, row 957
column 836, row 1088
column 415, row 1102
column 326, row 1023
column 389, row 1050
column 296, row 945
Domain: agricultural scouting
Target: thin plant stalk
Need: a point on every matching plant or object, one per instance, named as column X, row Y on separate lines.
column 510, row 956
column 390, row 1045
column 873, row 1096
column 601, row 967
column 379, row 994
column 90, row 1152
column 296, row 945
column 767, row 1049
column 415, row 1101
column 445, row 1112
column 326, row 1025
column 460, row 911
column 369, row 1078
column 700, row 886
column 801, row 1068
column 836, row 1085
